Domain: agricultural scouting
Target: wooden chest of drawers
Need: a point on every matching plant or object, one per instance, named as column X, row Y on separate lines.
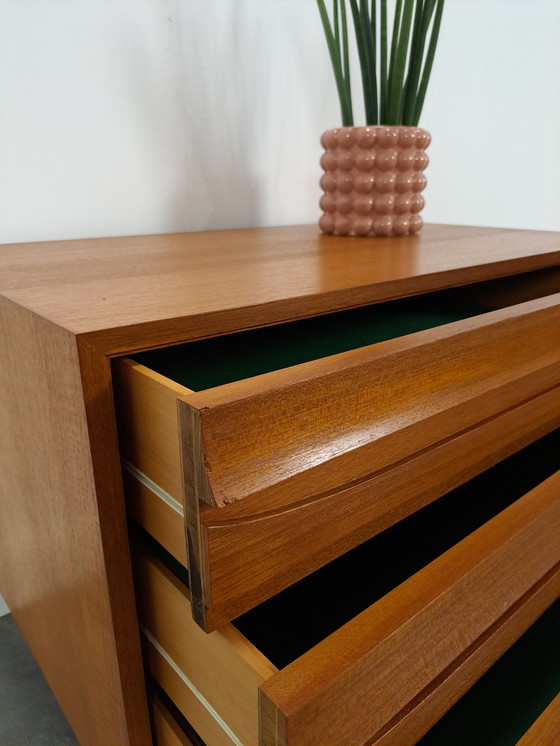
column 282, row 461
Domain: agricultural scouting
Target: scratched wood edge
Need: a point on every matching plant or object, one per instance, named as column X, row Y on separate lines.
column 195, row 484
column 309, row 693
column 546, row 729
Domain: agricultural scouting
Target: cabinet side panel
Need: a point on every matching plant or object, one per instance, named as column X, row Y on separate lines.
column 53, row 571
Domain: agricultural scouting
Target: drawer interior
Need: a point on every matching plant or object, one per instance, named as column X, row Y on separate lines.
column 502, row 555
column 213, row 362
column 507, row 700
column 299, row 617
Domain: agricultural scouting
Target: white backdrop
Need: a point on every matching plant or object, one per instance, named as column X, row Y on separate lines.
column 145, row 116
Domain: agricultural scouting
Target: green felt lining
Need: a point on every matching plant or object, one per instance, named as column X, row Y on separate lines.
column 214, row 362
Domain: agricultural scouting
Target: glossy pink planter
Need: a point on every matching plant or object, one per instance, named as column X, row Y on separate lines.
column 373, row 180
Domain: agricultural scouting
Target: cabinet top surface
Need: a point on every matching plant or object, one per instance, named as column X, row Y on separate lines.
column 137, row 292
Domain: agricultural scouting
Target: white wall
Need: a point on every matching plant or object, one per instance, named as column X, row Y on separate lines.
column 3, row 608
column 144, row 116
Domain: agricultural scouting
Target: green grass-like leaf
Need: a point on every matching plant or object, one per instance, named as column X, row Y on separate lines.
column 384, row 72
column 427, row 71
column 394, row 79
column 398, row 72
column 342, row 84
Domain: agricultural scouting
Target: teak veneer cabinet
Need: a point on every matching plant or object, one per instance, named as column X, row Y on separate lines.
column 245, row 488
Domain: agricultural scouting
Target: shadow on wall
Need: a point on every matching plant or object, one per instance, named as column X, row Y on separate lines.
column 222, row 127
column 208, row 138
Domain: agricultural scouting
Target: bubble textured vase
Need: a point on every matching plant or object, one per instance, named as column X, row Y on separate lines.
column 373, row 180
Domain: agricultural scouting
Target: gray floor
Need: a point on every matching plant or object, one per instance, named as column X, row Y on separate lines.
column 29, row 714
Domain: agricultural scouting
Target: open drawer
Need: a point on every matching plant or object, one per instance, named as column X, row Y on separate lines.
column 285, row 470
column 510, row 705
column 283, row 675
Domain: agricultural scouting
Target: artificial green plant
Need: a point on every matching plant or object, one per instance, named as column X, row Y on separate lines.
column 395, row 78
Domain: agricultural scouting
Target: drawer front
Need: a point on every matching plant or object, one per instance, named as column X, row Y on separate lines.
column 283, row 472
column 401, row 661
column 389, row 674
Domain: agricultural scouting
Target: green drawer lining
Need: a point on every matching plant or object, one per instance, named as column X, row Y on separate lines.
column 214, row 362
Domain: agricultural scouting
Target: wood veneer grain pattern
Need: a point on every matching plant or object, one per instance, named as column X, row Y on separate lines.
column 58, row 573
column 140, row 292
column 134, row 293
column 183, row 698
column 250, row 560
column 424, row 712
column 363, row 678
column 322, row 424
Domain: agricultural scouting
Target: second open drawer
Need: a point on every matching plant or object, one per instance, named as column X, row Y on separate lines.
column 276, row 474
column 390, row 672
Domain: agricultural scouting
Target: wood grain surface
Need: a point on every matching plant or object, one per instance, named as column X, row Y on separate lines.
column 545, row 731
column 249, row 560
column 69, row 306
column 188, row 704
column 64, row 567
column 144, row 291
column 363, row 680
column 323, row 424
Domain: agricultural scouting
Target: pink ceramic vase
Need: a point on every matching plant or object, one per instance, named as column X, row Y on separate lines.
column 373, row 180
